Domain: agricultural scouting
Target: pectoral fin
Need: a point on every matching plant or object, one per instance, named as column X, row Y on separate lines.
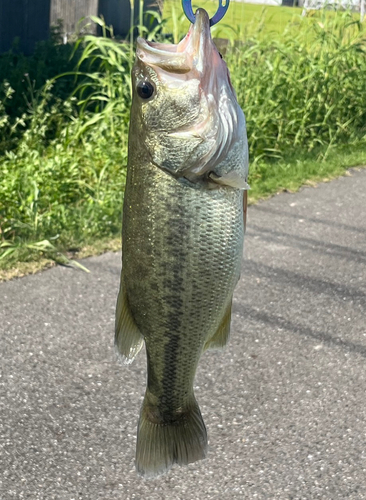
column 220, row 338
column 231, row 179
column 128, row 340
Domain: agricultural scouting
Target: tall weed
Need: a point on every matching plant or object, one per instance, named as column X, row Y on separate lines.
column 303, row 91
column 62, row 171
column 63, row 184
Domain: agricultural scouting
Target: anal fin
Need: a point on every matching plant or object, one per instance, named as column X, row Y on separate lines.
column 221, row 337
column 128, row 340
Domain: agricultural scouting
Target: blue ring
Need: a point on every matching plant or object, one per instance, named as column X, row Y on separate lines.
column 221, row 11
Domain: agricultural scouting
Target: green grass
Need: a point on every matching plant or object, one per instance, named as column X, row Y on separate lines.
column 292, row 172
column 63, row 143
column 266, row 179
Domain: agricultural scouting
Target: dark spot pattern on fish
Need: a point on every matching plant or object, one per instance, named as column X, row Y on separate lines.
column 175, row 285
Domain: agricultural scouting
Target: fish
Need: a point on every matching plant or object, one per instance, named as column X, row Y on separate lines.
column 182, row 234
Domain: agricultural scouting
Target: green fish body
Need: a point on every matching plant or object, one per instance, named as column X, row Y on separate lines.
column 182, row 243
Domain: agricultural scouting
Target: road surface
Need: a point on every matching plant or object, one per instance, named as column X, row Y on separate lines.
column 284, row 404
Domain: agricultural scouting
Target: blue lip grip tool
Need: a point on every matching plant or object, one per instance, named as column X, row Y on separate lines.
column 221, row 11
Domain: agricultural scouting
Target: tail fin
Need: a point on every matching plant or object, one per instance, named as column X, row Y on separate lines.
column 160, row 445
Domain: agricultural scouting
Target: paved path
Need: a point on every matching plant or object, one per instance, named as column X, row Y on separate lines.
column 284, row 404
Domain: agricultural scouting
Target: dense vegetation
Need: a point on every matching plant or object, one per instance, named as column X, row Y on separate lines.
column 64, row 119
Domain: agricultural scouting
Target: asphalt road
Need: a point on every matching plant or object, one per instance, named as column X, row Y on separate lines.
column 284, row 404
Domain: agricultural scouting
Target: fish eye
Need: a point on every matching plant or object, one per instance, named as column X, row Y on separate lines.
column 145, row 89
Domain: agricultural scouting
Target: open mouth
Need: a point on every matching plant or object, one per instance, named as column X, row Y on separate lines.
column 193, row 51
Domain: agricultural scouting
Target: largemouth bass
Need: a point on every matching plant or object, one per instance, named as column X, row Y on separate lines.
column 182, row 235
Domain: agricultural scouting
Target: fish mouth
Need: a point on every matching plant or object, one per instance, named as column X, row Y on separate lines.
column 191, row 53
